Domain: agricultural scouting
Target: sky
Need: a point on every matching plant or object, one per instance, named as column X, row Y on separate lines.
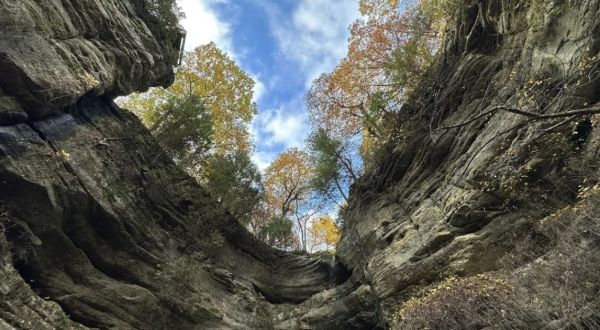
column 283, row 45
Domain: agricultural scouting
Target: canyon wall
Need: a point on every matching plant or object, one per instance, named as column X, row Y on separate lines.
column 484, row 172
column 485, row 154
column 99, row 227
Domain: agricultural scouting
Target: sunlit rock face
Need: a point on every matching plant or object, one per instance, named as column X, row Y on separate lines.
column 53, row 52
column 100, row 229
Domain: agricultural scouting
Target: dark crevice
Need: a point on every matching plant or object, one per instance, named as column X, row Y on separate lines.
column 20, row 251
column 435, row 245
column 105, row 232
column 340, row 272
column 270, row 297
column 582, row 131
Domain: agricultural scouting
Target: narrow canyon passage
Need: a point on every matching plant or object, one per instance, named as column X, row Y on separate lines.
column 486, row 194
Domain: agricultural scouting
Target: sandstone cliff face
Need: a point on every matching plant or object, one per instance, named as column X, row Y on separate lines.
column 463, row 186
column 103, row 223
column 54, row 52
column 103, row 231
column 99, row 221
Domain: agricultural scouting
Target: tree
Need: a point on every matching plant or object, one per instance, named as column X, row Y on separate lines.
column 389, row 48
column 336, row 165
column 303, row 212
column 225, row 90
column 260, row 217
column 287, row 180
column 278, row 233
column 324, row 231
column 288, row 190
column 202, row 122
column 180, row 123
column 236, row 182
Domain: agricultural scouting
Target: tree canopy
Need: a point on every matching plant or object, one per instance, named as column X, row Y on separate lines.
column 227, row 92
column 202, row 122
column 389, row 48
column 288, row 190
column 287, row 180
column 236, row 182
column 324, row 231
column 223, row 87
column 181, row 124
column 278, row 233
column 336, row 165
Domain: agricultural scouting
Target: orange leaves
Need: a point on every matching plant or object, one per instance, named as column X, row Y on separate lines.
column 332, row 106
column 338, row 100
column 287, row 180
column 377, row 65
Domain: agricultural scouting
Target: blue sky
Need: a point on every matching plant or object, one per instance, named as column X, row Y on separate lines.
column 283, row 45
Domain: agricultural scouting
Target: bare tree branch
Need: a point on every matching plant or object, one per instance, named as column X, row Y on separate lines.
column 535, row 116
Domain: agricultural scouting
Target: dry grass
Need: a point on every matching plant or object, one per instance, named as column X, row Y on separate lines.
column 444, row 305
column 558, row 290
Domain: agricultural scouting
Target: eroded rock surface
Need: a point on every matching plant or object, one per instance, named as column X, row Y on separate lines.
column 121, row 238
column 464, row 184
column 104, row 231
column 53, row 52
column 99, row 220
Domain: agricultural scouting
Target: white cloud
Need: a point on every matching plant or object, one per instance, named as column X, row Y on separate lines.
column 203, row 25
column 281, row 128
column 313, row 37
column 287, row 129
column 276, row 130
column 316, row 34
column 263, row 159
column 259, row 88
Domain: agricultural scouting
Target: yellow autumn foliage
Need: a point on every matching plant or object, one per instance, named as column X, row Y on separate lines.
column 224, row 88
column 324, row 231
